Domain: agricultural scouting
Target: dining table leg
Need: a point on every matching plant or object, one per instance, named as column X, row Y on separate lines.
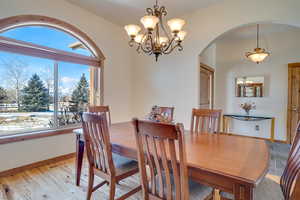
column 243, row 192
column 79, row 158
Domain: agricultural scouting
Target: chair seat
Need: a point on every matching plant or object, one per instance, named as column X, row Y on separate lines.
column 199, row 191
column 268, row 189
column 120, row 160
column 125, row 167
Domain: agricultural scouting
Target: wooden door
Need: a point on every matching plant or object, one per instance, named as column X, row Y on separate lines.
column 293, row 100
column 206, row 86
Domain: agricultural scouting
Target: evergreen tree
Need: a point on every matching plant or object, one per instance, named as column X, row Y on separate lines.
column 35, row 96
column 3, row 95
column 80, row 95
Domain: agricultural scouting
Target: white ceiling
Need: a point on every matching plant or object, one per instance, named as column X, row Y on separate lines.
column 278, row 39
column 124, row 12
column 249, row 31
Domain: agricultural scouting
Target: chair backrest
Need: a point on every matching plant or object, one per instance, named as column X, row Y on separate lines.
column 169, row 111
column 290, row 179
column 157, row 150
column 97, row 142
column 101, row 109
column 206, row 120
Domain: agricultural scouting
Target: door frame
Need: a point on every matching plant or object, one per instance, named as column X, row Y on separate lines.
column 212, row 70
column 288, row 132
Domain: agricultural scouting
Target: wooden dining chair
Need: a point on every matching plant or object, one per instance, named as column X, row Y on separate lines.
column 156, row 144
column 101, row 109
column 99, row 153
column 288, row 188
column 118, row 160
column 206, row 120
column 290, row 179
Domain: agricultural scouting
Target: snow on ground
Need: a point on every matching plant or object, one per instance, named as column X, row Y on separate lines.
column 20, row 122
column 11, row 123
column 24, row 114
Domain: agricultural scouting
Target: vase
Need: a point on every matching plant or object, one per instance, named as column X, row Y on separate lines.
column 247, row 112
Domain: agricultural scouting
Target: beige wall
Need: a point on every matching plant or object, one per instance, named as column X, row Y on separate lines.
column 113, row 42
column 284, row 45
column 208, row 56
column 174, row 80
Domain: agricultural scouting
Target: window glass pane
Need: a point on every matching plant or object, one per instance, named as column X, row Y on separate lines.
column 45, row 36
column 73, row 93
column 26, row 94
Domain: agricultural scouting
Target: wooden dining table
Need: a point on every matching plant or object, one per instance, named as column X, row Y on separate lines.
column 229, row 163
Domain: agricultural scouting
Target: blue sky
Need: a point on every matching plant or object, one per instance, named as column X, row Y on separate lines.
column 69, row 73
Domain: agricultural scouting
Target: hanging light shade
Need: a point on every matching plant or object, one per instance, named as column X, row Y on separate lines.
column 176, row 24
column 259, row 54
column 132, row 30
column 181, row 35
column 149, row 22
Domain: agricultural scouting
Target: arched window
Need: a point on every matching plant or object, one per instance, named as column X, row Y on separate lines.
column 50, row 71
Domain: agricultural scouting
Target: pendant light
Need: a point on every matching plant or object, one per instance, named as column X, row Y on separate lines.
column 259, row 54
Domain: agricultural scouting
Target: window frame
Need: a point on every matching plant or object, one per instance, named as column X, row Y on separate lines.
column 11, row 45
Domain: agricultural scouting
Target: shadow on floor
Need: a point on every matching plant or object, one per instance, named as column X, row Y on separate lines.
column 279, row 153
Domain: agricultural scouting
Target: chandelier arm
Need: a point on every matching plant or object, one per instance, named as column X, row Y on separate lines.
column 163, row 28
column 157, row 35
column 144, row 46
column 145, row 50
column 138, row 49
column 149, row 11
column 131, row 43
column 178, row 45
column 163, row 11
column 170, row 50
column 152, row 43
column 170, row 45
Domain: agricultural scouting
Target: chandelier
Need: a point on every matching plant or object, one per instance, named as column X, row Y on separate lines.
column 155, row 39
column 259, row 54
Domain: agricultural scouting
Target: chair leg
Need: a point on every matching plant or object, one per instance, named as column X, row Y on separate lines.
column 112, row 190
column 90, row 184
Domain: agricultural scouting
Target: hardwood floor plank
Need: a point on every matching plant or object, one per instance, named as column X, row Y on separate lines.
column 56, row 181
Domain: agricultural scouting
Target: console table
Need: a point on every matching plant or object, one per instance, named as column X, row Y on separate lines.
column 227, row 117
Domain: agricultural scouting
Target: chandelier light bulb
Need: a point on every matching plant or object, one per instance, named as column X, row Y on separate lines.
column 132, row 30
column 139, row 38
column 181, row 35
column 176, row 24
column 163, row 40
column 149, row 21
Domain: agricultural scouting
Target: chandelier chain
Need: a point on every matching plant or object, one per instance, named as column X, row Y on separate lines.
column 257, row 36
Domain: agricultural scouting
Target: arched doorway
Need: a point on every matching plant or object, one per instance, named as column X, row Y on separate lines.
column 265, row 84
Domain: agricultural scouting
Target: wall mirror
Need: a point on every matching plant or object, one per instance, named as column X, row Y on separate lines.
column 249, row 86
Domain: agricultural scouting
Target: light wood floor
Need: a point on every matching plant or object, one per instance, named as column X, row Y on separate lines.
column 57, row 182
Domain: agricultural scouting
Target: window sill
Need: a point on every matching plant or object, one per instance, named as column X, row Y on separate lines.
column 35, row 135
